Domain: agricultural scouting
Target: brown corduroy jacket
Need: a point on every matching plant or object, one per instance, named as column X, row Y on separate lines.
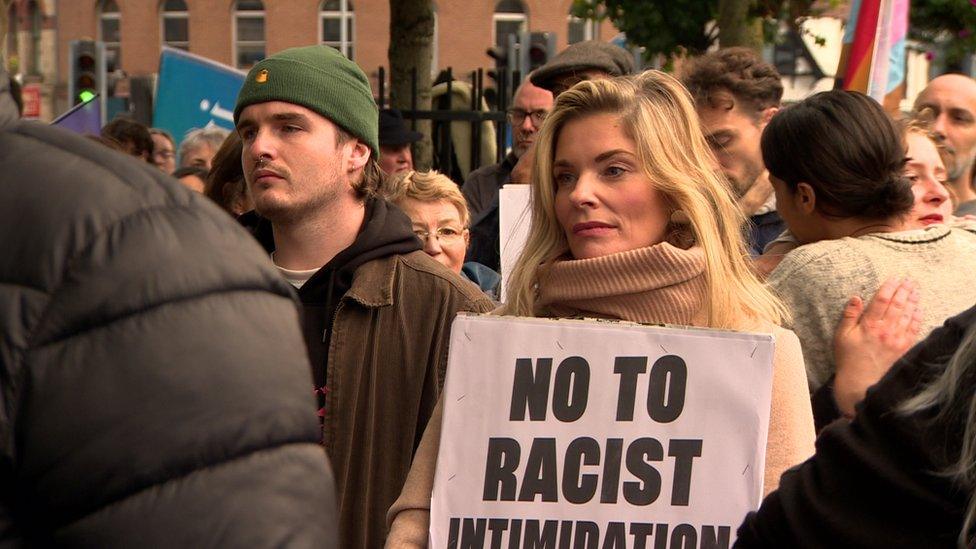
column 386, row 366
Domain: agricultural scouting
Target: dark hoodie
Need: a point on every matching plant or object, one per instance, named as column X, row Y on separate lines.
column 386, row 231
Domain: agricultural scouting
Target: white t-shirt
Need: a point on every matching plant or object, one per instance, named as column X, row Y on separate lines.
column 295, row 278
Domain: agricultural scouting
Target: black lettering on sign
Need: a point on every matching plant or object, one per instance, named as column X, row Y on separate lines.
column 515, row 534
column 639, row 454
column 571, row 389
column 500, row 465
column 628, row 368
column 565, row 533
column 530, row 390
column 587, row 535
column 611, row 470
column 616, row 537
column 536, row 539
column 540, row 472
column 497, row 527
column 716, row 540
column 666, row 389
column 472, row 534
column 661, row 536
column 684, row 536
column 683, row 452
column 579, row 488
column 453, row 532
column 641, row 531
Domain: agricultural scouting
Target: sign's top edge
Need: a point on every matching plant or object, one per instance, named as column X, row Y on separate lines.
column 613, row 323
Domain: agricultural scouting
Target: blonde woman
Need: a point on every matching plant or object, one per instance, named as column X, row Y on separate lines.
column 438, row 213
column 631, row 222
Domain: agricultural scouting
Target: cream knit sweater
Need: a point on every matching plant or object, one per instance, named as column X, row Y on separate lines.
column 660, row 284
column 816, row 281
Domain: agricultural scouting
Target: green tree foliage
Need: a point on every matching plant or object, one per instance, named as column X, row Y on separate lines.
column 670, row 27
column 661, row 26
column 947, row 24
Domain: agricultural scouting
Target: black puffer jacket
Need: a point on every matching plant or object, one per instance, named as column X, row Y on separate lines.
column 154, row 387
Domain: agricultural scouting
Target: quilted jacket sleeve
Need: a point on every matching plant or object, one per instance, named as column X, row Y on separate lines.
column 154, row 387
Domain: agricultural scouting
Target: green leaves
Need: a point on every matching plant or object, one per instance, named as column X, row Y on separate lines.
column 661, row 26
column 949, row 24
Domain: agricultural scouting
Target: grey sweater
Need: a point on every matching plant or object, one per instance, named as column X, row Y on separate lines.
column 816, row 280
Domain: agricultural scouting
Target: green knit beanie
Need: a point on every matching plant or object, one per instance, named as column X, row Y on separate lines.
column 318, row 78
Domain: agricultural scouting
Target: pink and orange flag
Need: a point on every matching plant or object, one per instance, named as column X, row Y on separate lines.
column 873, row 58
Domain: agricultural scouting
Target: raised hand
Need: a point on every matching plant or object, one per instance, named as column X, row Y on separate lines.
column 869, row 340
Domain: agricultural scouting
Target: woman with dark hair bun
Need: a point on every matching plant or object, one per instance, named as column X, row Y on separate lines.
column 837, row 165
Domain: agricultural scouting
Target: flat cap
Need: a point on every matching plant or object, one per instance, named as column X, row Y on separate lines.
column 583, row 56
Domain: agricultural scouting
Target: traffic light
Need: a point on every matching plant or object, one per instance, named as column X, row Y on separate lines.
column 542, row 46
column 86, row 72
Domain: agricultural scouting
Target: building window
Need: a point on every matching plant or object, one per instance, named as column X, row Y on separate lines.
column 248, row 33
column 509, row 18
column 580, row 30
column 175, row 24
column 109, row 32
column 336, row 21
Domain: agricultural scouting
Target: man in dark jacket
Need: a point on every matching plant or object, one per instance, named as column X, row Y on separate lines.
column 530, row 105
column 378, row 310
column 153, row 382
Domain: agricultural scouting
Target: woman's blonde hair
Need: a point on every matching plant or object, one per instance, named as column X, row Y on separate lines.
column 429, row 186
column 658, row 114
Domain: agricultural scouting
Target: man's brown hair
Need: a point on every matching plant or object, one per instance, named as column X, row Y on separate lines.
column 369, row 182
column 739, row 71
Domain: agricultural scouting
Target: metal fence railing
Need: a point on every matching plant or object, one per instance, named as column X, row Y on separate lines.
column 469, row 127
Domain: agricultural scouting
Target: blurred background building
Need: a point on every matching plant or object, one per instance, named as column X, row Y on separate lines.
column 37, row 47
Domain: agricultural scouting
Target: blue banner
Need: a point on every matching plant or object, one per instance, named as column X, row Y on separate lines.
column 194, row 92
column 84, row 118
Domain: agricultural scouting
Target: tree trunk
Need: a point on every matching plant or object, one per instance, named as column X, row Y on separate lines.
column 411, row 49
column 736, row 27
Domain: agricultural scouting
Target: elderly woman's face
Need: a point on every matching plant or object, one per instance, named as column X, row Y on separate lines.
column 438, row 225
column 604, row 202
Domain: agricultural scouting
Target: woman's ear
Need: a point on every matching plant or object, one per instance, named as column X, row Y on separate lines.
column 467, row 237
column 806, row 198
column 359, row 155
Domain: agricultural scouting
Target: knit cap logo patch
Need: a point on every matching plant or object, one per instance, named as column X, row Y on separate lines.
column 262, row 76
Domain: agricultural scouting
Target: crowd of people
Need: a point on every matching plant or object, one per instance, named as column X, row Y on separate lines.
column 698, row 200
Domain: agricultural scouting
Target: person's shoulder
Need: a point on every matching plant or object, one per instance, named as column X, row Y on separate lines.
column 421, row 272
column 482, row 175
column 816, row 259
column 964, row 229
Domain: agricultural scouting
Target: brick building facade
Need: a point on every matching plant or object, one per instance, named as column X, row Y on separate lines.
column 30, row 51
column 238, row 31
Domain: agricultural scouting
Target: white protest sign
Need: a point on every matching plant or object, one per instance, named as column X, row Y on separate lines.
column 514, row 218
column 590, row 434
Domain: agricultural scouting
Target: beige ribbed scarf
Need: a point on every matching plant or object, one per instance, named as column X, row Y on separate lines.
column 657, row 284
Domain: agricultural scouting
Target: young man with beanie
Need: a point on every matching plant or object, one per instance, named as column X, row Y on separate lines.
column 377, row 309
